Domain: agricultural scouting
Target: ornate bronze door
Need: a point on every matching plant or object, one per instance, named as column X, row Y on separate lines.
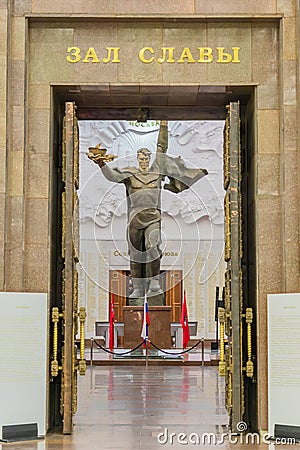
column 65, row 319
column 235, row 362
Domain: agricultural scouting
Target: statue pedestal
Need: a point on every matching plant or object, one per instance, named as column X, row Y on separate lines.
column 153, row 300
column 159, row 330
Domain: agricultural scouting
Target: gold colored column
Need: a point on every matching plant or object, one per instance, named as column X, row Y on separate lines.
column 222, row 364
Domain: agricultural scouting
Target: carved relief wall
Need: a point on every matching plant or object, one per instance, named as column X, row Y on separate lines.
column 192, row 221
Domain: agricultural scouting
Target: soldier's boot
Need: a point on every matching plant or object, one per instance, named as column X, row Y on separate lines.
column 153, row 269
column 154, row 286
column 137, row 280
column 138, row 288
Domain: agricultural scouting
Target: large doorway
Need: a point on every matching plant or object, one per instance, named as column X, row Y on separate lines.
column 210, row 103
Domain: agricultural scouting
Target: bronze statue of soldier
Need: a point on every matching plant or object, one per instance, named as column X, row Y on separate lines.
column 143, row 189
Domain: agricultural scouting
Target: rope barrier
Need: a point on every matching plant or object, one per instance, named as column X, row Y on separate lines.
column 175, row 353
column 151, row 343
column 116, row 353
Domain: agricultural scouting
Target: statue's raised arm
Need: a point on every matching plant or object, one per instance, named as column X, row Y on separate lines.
column 162, row 141
column 161, row 149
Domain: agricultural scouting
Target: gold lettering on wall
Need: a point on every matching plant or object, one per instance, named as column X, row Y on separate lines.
column 164, row 55
column 186, row 56
column 205, row 55
column 142, row 55
column 112, row 51
column 167, row 55
column 91, row 56
column 74, row 55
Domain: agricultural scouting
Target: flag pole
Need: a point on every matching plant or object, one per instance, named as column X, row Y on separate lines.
column 144, row 333
column 147, row 353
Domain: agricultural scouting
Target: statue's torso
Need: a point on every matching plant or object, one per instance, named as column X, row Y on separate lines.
column 143, row 192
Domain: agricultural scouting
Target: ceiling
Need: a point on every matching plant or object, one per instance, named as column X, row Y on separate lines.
column 134, row 102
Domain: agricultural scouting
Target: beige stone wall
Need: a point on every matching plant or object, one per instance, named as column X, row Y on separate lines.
column 3, row 123
column 25, row 113
column 12, row 147
column 277, row 217
column 169, row 7
column 297, row 187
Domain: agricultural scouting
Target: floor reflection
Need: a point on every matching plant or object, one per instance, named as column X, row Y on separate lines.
column 128, row 407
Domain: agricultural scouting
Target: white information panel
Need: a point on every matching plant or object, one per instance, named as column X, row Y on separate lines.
column 23, row 359
column 284, row 360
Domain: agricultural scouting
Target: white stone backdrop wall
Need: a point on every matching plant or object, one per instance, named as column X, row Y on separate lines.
column 192, row 225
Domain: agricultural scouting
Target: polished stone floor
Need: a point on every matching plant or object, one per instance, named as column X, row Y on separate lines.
column 134, row 407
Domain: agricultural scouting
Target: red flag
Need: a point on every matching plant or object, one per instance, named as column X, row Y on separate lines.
column 185, row 324
column 111, row 323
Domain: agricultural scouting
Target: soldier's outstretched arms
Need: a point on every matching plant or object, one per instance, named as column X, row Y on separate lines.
column 113, row 174
column 110, row 174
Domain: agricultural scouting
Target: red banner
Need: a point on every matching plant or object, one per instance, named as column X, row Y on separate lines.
column 111, row 323
column 185, row 324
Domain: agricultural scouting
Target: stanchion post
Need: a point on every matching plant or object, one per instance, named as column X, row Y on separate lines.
column 91, row 349
column 202, row 350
